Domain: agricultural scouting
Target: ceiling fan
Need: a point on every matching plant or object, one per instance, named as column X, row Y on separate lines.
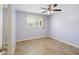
column 50, row 9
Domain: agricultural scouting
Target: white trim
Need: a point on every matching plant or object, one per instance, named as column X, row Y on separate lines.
column 13, row 51
column 1, row 24
column 69, row 43
column 31, row 38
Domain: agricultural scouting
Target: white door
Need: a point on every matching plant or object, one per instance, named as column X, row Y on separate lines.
column 1, row 24
column 11, row 28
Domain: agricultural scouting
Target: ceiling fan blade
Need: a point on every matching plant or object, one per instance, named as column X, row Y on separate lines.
column 44, row 8
column 56, row 10
column 43, row 11
column 55, row 5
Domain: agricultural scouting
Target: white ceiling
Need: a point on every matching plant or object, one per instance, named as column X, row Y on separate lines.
column 32, row 8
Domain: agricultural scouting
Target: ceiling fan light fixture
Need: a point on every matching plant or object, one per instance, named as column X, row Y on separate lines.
column 51, row 8
column 50, row 12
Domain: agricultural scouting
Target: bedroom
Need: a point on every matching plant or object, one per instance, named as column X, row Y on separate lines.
column 40, row 29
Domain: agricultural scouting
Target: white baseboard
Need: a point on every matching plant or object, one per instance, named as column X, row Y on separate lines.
column 69, row 43
column 32, row 38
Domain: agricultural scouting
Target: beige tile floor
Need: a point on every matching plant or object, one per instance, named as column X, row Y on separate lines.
column 44, row 46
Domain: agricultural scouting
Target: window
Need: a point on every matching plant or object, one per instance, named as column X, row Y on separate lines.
column 33, row 21
column 41, row 21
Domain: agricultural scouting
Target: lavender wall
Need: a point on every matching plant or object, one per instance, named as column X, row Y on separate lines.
column 22, row 32
column 65, row 24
